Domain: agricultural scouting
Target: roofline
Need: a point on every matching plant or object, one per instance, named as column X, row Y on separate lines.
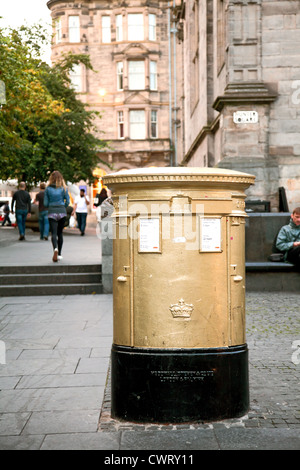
column 50, row 3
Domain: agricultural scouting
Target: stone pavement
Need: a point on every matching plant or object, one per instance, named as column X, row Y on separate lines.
column 33, row 251
column 54, row 385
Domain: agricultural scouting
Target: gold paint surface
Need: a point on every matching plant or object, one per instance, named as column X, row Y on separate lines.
column 206, row 289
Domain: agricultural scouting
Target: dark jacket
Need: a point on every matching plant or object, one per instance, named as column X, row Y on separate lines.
column 287, row 236
column 40, row 199
column 22, row 200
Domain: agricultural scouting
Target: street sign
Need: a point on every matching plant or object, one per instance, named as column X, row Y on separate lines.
column 245, row 117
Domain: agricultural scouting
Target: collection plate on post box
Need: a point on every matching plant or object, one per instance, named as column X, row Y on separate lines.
column 210, row 234
column 149, row 235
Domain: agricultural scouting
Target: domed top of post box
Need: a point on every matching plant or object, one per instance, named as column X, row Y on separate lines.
column 165, row 175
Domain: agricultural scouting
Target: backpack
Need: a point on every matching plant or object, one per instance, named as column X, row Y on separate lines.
column 276, row 255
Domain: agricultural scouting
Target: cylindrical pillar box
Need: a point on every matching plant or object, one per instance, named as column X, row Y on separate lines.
column 179, row 350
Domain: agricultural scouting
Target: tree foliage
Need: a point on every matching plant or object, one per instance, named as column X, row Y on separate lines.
column 43, row 125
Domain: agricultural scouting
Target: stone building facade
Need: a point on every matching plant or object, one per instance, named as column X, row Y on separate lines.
column 128, row 44
column 241, row 90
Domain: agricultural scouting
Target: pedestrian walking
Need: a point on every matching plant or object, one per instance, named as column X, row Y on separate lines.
column 6, row 212
column 81, row 202
column 101, row 197
column 56, row 199
column 43, row 213
column 22, row 200
column 288, row 239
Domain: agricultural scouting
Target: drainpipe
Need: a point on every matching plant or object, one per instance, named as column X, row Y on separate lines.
column 174, row 31
column 170, row 84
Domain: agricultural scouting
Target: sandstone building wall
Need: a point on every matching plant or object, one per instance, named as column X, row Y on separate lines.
column 244, row 56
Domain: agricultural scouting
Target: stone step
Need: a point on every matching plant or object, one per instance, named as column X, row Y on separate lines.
column 50, row 289
column 50, row 278
column 266, row 266
column 272, row 277
column 51, row 268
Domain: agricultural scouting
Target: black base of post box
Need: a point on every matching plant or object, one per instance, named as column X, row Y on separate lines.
column 179, row 385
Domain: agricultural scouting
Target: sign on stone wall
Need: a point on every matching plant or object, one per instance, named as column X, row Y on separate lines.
column 245, row 117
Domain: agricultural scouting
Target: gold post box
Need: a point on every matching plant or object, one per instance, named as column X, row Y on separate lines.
column 179, row 350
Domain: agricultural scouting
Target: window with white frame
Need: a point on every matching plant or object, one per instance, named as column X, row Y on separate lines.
column 135, row 27
column 153, row 75
column 119, row 28
column 121, row 125
column 152, row 27
column 136, row 75
column 76, row 77
column 74, row 29
column 106, row 29
column 120, row 76
column 137, row 128
column 58, row 30
column 153, row 125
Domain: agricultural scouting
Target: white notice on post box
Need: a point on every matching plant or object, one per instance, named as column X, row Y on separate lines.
column 210, row 238
column 149, row 235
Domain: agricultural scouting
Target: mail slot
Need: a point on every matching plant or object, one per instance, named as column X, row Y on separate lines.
column 179, row 349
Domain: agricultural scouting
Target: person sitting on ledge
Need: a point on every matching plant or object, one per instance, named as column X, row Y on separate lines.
column 288, row 240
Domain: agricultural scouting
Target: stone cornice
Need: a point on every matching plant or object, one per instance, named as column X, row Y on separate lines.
column 51, row 3
column 181, row 175
column 244, row 93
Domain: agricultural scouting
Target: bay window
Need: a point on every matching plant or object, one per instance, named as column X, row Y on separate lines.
column 121, row 125
column 58, row 30
column 136, row 75
column 119, row 28
column 153, row 75
column 135, row 27
column 152, row 27
column 119, row 76
column 106, row 29
column 137, row 128
column 74, row 29
column 153, row 125
column 76, row 77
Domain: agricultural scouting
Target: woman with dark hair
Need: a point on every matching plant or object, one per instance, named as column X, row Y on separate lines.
column 56, row 199
column 101, row 197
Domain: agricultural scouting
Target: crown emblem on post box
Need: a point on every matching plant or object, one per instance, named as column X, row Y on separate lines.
column 181, row 309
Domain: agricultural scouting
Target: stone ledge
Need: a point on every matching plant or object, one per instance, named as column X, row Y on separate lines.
column 244, row 93
column 268, row 266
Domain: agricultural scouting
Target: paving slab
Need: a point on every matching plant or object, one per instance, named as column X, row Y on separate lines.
column 33, row 251
column 188, row 439
column 258, row 439
column 82, row 441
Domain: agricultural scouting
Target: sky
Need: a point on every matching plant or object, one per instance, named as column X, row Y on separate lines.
column 25, row 12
